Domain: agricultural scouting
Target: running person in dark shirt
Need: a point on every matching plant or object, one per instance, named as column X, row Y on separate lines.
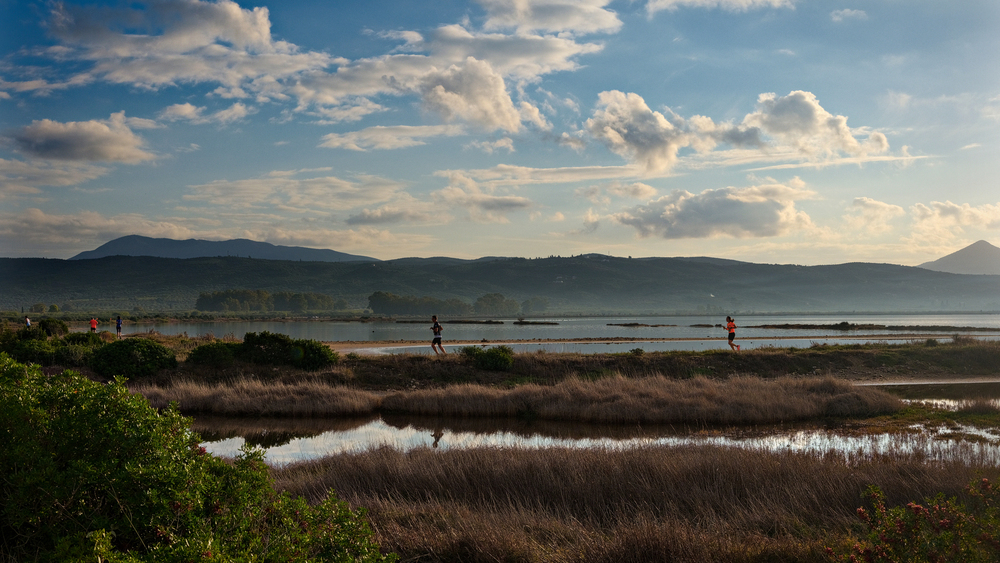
column 437, row 328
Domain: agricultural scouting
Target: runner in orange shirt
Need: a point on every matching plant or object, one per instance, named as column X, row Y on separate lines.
column 731, row 327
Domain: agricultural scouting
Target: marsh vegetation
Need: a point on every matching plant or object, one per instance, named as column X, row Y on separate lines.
column 642, row 503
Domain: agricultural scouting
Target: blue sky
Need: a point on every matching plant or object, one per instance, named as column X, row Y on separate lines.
column 775, row 131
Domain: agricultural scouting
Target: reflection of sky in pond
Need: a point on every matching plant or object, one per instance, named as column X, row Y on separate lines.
column 943, row 394
column 933, row 444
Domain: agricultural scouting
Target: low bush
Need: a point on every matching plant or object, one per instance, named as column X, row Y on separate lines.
column 940, row 530
column 33, row 351
column 73, row 355
column 497, row 358
column 83, row 339
column 278, row 349
column 132, row 357
column 93, row 473
column 54, row 327
column 215, row 354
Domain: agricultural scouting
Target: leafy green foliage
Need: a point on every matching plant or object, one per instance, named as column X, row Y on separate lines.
column 132, row 357
column 91, row 339
column 940, row 530
column 496, row 358
column 278, row 349
column 35, row 351
column 54, row 327
column 90, row 472
column 215, row 354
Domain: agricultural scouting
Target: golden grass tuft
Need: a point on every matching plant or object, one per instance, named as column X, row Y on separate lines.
column 253, row 397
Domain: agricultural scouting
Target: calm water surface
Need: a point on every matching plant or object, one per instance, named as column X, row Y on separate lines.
column 290, row 440
column 680, row 327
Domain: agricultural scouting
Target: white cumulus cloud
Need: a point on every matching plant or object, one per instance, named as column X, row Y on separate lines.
column 765, row 210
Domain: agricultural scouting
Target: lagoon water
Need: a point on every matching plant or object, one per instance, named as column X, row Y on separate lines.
column 660, row 327
column 285, row 442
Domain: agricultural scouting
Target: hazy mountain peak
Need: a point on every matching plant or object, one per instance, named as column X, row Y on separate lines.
column 979, row 257
column 136, row 245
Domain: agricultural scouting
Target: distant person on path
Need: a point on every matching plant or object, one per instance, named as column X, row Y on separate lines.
column 118, row 327
column 93, row 324
column 437, row 328
column 731, row 327
column 27, row 322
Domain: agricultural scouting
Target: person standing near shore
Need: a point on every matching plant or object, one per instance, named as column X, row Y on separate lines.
column 731, row 327
column 93, row 324
column 437, row 328
column 118, row 327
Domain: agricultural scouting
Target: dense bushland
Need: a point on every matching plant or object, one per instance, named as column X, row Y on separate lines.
column 90, row 472
column 146, row 355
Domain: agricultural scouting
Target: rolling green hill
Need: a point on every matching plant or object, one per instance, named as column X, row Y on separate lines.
column 585, row 284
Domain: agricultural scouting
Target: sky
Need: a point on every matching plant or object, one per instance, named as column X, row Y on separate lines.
column 770, row 131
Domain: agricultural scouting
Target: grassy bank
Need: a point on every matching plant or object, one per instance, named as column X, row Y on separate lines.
column 617, row 399
column 641, row 504
column 965, row 358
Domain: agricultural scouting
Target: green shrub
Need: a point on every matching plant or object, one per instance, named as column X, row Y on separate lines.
column 73, row 355
column 215, row 354
column 470, row 351
column 91, row 339
column 53, row 327
column 91, row 472
column 34, row 332
column 132, row 357
column 40, row 352
column 497, row 358
column 940, row 530
column 312, row 355
column 278, row 349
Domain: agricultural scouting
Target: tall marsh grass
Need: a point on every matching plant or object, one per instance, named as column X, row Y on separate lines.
column 253, row 397
column 741, row 400
column 619, row 400
column 690, row 503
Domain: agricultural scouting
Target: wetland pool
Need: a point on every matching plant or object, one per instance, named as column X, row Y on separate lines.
column 290, row 440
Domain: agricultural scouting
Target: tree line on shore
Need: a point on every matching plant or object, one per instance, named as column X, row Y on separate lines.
column 489, row 305
column 244, row 300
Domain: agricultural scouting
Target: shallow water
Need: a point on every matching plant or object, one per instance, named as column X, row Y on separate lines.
column 575, row 327
column 286, row 441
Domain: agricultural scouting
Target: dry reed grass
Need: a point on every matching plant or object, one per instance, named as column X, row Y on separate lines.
column 691, row 503
column 617, row 400
column 621, row 400
column 253, row 397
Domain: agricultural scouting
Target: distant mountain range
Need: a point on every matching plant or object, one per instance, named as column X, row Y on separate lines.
column 978, row 258
column 130, row 276
column 135, row 245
